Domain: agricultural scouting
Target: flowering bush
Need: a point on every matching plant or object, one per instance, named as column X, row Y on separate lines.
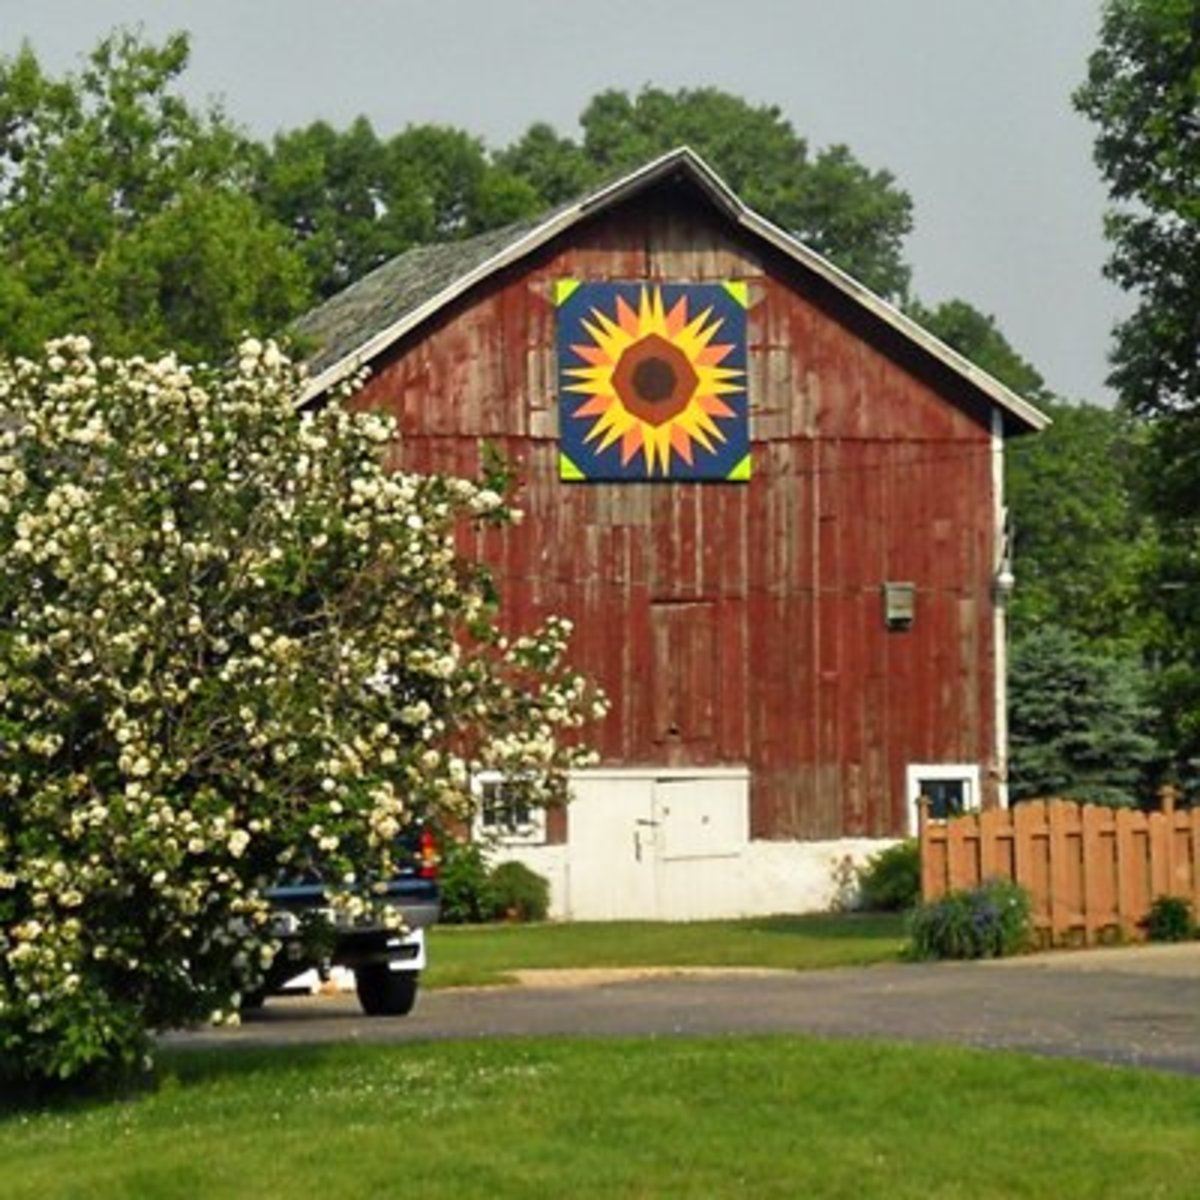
column 993, row 920
column 233, row 645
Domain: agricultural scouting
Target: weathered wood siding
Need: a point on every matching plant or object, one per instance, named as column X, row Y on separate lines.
column 738, row 623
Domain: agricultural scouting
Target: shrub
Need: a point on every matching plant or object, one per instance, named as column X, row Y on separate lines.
column 466, row 886
column 891, row 879
column 519, row 892
column 990, row 921
column 1170, row 920
column 233, row 645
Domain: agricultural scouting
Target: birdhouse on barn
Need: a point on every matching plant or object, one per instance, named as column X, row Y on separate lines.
column 770, row 503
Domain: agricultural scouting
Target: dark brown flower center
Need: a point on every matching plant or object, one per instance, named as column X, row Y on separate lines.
column 655, row 380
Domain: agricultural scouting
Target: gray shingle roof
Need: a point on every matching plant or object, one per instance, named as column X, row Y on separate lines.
column 337, row 328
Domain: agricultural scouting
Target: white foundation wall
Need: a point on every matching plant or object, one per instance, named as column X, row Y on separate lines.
column 674, row 845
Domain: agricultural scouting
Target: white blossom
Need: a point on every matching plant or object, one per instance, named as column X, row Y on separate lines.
column 235, row 639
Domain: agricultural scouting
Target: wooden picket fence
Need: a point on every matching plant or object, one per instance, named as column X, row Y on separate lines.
column 1092, row 872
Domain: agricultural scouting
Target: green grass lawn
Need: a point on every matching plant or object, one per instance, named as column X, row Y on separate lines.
column 710, row 1118
column 461, row 955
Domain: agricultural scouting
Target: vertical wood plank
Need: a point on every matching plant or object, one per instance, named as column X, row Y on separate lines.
column 1193, row 822
column 1066, row 870
column 961, row 840
column 1099, row 871
column 1158, row 845
column 1032, row 858
column 1131, row 869
column 992, row 858
column 932, row 881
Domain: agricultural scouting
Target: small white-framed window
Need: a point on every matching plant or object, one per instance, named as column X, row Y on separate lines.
column 952, row 788
column 504, row 816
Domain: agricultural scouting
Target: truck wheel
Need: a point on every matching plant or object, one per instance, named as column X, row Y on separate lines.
column 384, row 993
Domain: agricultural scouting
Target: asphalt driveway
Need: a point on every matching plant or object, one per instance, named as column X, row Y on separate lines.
column 1137, row 1006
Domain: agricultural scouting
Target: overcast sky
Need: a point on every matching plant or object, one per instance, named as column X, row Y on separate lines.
column 966, row 102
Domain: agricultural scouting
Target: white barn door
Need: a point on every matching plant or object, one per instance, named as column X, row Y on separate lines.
column 656, row 845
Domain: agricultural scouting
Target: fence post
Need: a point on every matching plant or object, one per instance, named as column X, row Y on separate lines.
column 924, row 847
column 1168, row 794
column 1168, row 797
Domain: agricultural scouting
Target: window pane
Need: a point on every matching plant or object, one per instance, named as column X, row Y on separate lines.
column 948, row 797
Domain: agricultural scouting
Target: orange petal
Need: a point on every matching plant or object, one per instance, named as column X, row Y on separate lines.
column 677, row 317
column 718, row 408
column 682, row 443
column 592, row 354
column 595, row 407
column 711, row 355
column 627, row 318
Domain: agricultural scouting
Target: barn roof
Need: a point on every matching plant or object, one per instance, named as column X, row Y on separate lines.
column 352, row 328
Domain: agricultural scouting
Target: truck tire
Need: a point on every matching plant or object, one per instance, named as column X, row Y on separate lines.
column 385, row 993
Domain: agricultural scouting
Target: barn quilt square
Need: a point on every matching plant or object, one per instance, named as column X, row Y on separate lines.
column 652, row 381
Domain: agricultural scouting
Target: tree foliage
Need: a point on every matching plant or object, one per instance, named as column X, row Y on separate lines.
column 1143, row 93
column 979, row 339
column 1079, row 721
column 327, row 188
column 1080, row 541
column 1080, row 544
column 353, row 200
column 856, row 217
column 557, row 168
column 231, row 645
column 124, row 211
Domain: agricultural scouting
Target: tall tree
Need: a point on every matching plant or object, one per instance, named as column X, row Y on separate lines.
column 331, row 189
column 1079, row 543
column 463, row 191
column 1143, row 93
column 978, row 338
column 123, row 211
column 353, row 200
column 555, row 167
column 855, row 216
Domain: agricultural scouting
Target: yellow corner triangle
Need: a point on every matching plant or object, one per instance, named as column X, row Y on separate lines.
column 741, row 472
column 568, row 470
column 739, row 291
column 563, row 288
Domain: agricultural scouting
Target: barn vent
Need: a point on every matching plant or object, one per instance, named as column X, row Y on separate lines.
column 899, row 605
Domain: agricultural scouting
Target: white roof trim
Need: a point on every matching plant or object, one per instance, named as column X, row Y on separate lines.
column 726, row 200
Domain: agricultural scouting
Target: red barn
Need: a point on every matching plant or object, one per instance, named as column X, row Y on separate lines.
column 771, row 504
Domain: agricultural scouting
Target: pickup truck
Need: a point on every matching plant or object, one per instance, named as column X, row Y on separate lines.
column 387, row 963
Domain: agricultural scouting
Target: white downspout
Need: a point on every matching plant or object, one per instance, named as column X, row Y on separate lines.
column 1001, row 585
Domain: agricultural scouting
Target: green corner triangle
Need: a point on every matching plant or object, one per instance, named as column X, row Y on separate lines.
column 568, row 470
column 741, row 471
column 739, row 291
column 563, row 288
